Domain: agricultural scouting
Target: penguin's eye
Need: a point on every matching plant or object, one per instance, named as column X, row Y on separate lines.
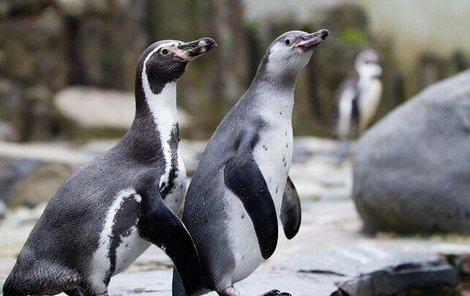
column 288, row 41
column 165, row 51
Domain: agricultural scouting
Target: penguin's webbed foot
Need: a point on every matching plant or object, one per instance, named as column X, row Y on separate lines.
column 276, row 293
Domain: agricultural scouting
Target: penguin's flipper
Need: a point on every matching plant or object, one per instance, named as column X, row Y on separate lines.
column 160, row 226
column 243, row 177
column 291, row 212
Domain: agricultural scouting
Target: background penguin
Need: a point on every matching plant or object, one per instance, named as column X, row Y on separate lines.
column 359, row 95
column 241, row 184
column 90, row 229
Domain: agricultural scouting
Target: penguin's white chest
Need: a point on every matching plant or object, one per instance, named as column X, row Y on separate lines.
column 369, row 102
column 273, row 154
column 175, row 198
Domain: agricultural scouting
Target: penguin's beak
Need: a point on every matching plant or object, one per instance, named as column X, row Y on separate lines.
column 309, row 41
column 190, row 50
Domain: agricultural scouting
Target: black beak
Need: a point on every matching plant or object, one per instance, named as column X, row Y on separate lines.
column 191, row 50
column 309, row 41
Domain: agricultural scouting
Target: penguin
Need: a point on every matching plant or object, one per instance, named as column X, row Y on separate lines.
column 241, row 184
column 359, row 95
column 109, row 211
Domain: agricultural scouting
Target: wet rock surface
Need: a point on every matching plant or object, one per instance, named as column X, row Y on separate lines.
column 411, row 169
column 328, row 253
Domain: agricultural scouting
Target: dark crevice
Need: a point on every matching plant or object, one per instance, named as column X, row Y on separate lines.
column 319, row 271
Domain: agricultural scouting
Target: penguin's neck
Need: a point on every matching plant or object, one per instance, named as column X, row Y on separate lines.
column 154, row 132
column 273, row 95
column 162, row 107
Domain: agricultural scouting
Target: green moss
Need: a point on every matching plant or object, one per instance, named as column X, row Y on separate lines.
column 352, row 35
column 251, row 25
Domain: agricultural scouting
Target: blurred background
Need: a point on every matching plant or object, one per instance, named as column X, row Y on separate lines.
column 67, row 71
column 48, row 46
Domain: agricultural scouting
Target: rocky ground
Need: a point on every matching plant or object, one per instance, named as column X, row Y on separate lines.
column 329, row 252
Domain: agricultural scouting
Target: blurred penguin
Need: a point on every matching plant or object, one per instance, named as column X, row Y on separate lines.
column 359, row 95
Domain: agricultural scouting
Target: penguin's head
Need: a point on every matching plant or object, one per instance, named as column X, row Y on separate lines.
column 165, row 61
column 291, row 51
column 368, row 63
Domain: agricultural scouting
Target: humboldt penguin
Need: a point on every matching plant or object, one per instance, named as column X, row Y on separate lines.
column 241, row 185
column 359, row 95
column 109, row 211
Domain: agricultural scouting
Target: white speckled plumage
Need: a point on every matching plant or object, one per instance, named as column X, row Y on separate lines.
column 101, row 261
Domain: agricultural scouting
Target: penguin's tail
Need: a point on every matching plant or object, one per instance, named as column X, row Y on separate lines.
column 12, row 287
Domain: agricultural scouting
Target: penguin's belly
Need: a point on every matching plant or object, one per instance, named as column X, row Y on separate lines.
column 131, row 247
column 243, row 240
column 369, row 103
column 273, row 154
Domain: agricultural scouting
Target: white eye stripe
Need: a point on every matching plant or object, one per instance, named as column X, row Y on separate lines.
column 156, row 49
column 144, row 76
column 163, row 108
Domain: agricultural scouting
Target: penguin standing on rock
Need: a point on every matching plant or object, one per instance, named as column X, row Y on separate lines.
column 359, row 95
column 241, row 184
column 108, row 211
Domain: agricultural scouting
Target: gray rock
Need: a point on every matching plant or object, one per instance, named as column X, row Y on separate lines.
column 90, row 107
column 411, row 171
column 3, row 209
column 39, row 185
column 430, row 277
column 11, row 171
column 96, row 108
column 7, row 132
column 30, row 174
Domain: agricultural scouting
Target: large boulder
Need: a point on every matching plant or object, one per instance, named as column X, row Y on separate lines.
column 411, row 171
